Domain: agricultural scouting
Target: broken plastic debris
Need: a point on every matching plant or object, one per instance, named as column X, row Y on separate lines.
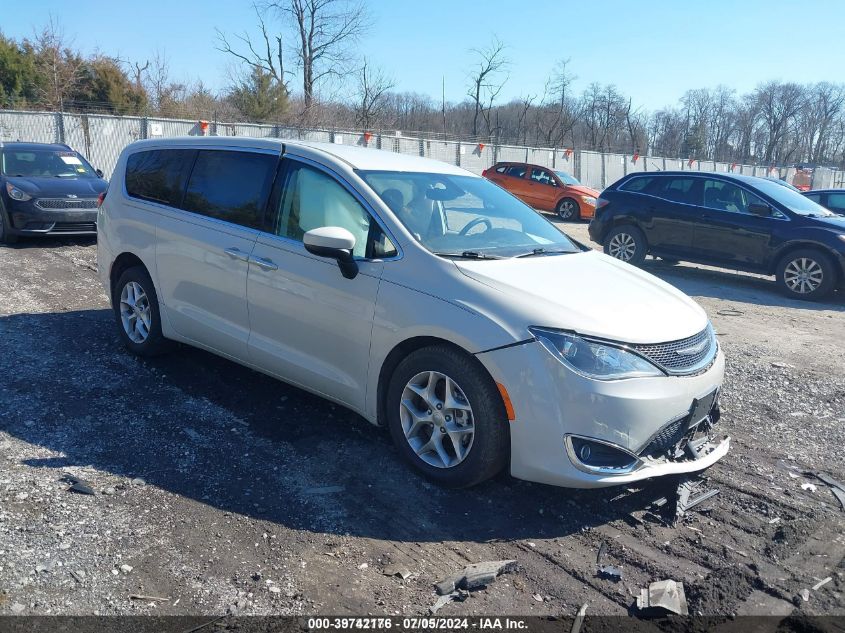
column 821, row 583
column 442, row 601
column 808, row 486
column 611, row 572
column 475, row 576
column 686, row 500
column 579, row 619
column 395, row 570
column 665, row 595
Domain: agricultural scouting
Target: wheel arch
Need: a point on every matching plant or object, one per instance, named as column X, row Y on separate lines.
column 122, row 263
column 791, row 247
column 401, row 351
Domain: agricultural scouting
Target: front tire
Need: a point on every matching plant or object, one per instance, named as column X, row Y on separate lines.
column 568, row 210
column 136, row 311
column 626, row 243
column 806, row 274
column 447, row 418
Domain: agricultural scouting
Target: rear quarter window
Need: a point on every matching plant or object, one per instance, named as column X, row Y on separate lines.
column 158, row 175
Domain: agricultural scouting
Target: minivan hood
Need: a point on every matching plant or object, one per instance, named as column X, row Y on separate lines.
column 593, row 294
column 59, row 187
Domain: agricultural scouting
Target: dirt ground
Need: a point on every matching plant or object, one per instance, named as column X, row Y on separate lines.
column 221, row 490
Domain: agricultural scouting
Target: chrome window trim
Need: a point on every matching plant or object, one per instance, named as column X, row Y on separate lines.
column 349, row 187
column 699, row 206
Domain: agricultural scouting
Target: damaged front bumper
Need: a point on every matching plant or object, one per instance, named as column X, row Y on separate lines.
column 643, row 427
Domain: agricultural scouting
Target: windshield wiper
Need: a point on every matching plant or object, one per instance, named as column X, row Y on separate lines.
column 469, row 255
column 543, row 251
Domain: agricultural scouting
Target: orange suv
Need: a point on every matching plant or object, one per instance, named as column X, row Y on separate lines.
column 545, row 189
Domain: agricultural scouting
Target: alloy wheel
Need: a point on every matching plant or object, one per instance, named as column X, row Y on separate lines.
column 135, row 312
column 803, row 275
column 622, row 246
column 437, row 419
column 566, row 210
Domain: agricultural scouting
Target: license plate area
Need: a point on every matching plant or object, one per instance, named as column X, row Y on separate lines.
column 701, row 407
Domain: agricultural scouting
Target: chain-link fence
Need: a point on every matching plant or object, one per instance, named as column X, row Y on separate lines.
column 100, row 138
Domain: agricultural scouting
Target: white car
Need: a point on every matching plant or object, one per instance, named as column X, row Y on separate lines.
column 421, row 296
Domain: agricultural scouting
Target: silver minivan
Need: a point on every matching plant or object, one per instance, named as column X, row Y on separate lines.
column 423, row 297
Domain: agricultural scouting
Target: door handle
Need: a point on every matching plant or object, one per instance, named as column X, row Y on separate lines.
column 266, row 264
column 236, row 253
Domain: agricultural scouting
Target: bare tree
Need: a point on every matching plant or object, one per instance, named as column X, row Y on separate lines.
column 371, row 94
column 487, row 81
column 326, row 31
column 265, row 55
column 61, row 69
column 561, row 111
column 779, row 104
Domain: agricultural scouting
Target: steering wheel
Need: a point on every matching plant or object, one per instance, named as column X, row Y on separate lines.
column 475, row 222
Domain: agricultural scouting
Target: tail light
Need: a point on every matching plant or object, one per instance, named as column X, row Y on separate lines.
column 601, row 203
column 484, row 173
column 100, row 199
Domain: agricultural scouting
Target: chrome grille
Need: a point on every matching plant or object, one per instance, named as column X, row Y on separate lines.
column 682, row 356
column 66, row 203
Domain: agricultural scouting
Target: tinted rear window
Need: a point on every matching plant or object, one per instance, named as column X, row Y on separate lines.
column 231, row 186
column 675, row 188
column 638, row 184
column 158, row 175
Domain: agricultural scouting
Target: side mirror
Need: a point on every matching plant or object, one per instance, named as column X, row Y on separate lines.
column 99, row 172
column 334, row 242
column 757, row 208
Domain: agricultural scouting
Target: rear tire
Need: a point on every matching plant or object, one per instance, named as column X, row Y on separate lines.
column 807, row 274
column 136, row 312
column 456, row 440
column 626, row 243
column 5, row 236
column 568, row 210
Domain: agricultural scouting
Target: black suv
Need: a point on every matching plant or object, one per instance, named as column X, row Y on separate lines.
column 738, row 222
column 47, row 189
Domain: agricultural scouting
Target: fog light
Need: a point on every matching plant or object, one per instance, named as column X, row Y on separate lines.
column 599, row 455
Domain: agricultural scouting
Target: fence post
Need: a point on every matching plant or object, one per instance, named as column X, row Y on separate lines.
column 145, row 127
column 603, row 171
column 458, row 153
column 60, row 127
column 422, row 147
column 577, row 161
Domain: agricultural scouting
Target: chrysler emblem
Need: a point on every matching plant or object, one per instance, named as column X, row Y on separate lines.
column 72, row 195
column 692, row 350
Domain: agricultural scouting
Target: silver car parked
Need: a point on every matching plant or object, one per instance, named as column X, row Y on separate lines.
column 419, row 295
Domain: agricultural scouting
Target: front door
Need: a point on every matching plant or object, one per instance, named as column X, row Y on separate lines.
column 203, row 249
column 727, row 232
column 309, row 324
column 543, row 189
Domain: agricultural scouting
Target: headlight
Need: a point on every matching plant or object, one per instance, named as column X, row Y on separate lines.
column 841, row 237
column 593, row 359
column 589, row 200
column 17, row 194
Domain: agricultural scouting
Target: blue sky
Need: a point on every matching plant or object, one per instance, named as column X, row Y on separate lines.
column 653, row 50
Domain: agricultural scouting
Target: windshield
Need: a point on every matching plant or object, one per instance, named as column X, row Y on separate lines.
column 466, row 216
column 45, row 164
column 567, row 178
column 792, row 200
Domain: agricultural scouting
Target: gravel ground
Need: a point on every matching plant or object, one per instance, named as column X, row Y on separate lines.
column 221, row 490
